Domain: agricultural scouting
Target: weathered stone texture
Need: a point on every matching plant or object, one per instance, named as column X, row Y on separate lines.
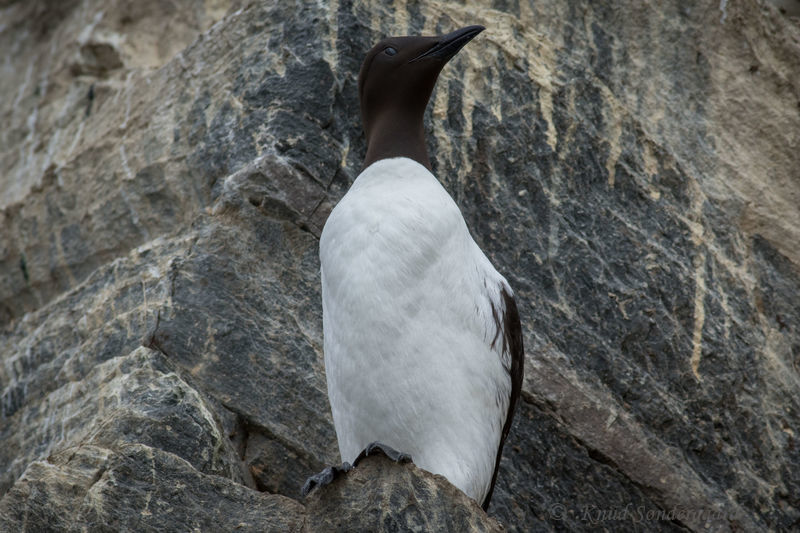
column 380, row 495
column 167, row 168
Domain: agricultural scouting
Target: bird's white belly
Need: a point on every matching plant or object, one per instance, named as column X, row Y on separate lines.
column 408, row 331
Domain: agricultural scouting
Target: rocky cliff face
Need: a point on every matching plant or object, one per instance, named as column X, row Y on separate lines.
column 167, row 168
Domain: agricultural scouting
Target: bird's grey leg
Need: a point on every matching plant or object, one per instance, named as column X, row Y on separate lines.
column 376, row 447
column 324, row 477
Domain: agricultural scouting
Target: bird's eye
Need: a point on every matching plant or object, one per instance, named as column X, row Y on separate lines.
column 389, row 51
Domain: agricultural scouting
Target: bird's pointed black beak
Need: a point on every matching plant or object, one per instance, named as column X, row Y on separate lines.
column 448, row 45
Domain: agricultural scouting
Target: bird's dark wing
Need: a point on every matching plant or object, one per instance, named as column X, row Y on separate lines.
column 510, row 329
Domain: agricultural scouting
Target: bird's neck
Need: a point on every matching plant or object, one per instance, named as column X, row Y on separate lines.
column 397, row 134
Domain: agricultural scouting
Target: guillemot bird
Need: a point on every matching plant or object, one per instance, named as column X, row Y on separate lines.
column 423, row 347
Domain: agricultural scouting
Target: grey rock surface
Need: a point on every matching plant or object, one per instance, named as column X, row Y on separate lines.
column 380, row 495
column 167, row 168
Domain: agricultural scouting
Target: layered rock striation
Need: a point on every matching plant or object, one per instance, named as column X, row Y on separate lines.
column 167, row 169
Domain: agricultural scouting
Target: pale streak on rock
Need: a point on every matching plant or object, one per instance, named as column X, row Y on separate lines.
column 700, row 264
column 443, row 137
column 75, row 139
column 124, row 161
column 542, row 69
column 378, row 15
column 546, row 103
column 553, row 241
column 345, row 153
column 401, row 19
column 650, row 167
column 149, row 490
column 330, row 52
column 699, row 312
column 86, row 34
column 569, row 136
column 612, row 115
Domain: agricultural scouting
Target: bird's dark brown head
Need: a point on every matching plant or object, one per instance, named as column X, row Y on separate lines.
column 394, row 86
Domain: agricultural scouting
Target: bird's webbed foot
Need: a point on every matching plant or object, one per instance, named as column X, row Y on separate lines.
column 378, row 447
column 326, row 476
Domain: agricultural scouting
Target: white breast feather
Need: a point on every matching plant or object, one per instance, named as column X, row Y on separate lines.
column 407, row 314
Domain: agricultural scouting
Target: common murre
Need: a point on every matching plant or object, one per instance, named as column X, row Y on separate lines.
column 422, row 339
